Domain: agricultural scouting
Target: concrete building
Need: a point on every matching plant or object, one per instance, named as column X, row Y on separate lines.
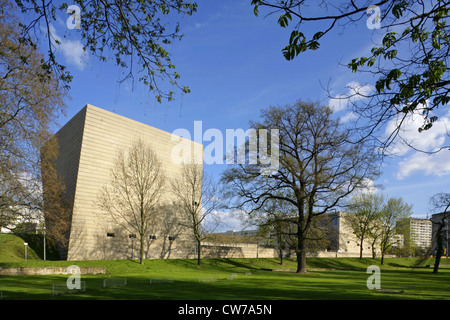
column 338, row 239
column 421, row 230
column 343, row 241
column 88, row 147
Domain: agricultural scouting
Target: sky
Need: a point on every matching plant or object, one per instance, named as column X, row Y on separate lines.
column 233, row 63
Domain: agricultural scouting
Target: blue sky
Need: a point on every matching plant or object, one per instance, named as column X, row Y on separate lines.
column 233, row 64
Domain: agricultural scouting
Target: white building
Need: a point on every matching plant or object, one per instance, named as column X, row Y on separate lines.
column 421, row 230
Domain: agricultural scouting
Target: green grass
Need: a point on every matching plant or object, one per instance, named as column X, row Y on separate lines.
column 259, row 285
column 327, row 278
column 12, row 249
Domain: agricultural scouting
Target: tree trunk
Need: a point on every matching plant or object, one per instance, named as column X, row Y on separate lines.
column 141, row 251
column 361, row 248
column 439, row 250
column 280, row 253
column 384, row 248
column 141, row 231
column 199, row 251
column 301, row 259
column 374, row 253
column 301, row 236
column 301, row 253
column 280, row 248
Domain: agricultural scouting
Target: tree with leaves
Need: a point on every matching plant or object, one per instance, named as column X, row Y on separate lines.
column 410, row 64
column 134, row 34
column 393, row 212
column 364, row 211
column 31, row 99
column 377, row 218
column 56, row 207
column 318, row 168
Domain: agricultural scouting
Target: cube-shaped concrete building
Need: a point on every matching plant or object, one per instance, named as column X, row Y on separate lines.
column 88, row 147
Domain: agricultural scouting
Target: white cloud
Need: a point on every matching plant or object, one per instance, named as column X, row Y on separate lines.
column 348, row 117
column 71, row 49
column 428, row 159
column 338, row 103
column 437, row 164
column 221, row 221
column 409, row 135
column 367, row 186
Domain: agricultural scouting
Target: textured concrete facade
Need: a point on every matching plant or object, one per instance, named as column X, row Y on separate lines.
column 344, row 243
column 89, row 144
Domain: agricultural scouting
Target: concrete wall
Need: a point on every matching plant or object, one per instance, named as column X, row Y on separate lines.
column 89, row 145
column 237, row 251
column 19, row 271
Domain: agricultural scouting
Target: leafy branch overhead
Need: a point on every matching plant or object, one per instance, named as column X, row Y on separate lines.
column 135, row 34
column 410, row 64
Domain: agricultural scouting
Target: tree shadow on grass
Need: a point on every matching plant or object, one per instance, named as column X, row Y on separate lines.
column 259, row 285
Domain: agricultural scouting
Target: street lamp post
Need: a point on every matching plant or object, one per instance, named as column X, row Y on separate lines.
column 26, row 245
column 45, row 247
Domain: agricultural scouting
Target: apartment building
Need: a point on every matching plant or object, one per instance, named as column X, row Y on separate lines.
column 421, row 231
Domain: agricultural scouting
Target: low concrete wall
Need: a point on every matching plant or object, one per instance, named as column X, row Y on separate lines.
column 331, row 254
column 250, row 251
column 15, row 271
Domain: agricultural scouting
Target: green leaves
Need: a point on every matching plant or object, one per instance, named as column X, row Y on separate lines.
column 385, row 83
column 284, row 19
column 359, row 62
column 255, row 3
column 298, row 44
column 410, row 65
column 135, row 33
column 398, row 9
column 389, row 39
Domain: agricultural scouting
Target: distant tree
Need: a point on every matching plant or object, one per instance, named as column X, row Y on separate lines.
column 318, row 168
column 132, row 197
column 374, row 235
column 276, row 220
column 135, row 34
column 364, row 213
column 197, row 198
column 410, row 64
column 393, row 212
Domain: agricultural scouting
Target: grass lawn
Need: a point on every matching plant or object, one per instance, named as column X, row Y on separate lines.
column 236, row 279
